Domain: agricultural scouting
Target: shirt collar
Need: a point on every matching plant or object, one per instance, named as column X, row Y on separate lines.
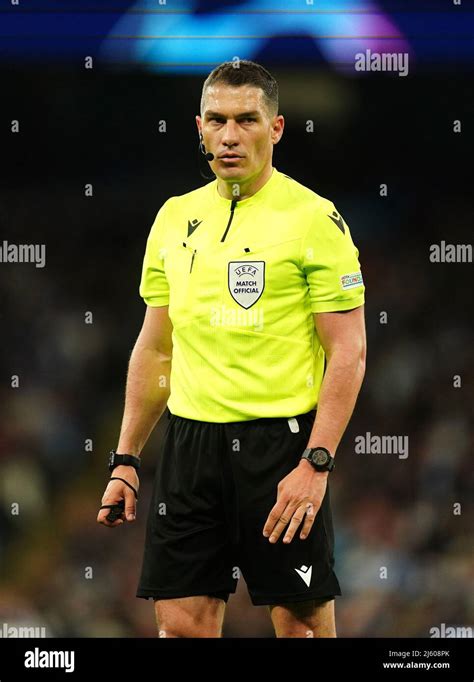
column 260, row 194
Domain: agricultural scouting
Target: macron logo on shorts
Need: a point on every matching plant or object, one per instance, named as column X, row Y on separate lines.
column 305, row 573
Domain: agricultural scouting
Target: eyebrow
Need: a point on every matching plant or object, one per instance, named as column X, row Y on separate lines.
column 208, row 114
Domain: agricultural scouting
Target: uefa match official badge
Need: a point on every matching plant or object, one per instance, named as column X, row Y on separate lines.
column 246, row 281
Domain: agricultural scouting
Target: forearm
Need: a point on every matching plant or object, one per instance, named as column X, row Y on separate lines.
column 146, row 396
column 337, row 398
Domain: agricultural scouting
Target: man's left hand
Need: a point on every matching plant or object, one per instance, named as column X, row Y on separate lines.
column 300, row 493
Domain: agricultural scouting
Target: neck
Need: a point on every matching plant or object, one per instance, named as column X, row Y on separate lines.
column 226, row 188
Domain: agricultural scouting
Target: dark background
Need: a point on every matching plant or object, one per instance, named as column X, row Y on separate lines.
column 101, row 127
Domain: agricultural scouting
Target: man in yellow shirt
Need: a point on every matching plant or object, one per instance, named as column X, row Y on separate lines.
column 254, row 338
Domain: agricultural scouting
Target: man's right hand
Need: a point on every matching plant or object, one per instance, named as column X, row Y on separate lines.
column 117, row 491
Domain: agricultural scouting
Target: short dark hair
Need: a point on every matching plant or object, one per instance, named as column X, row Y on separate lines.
column 245, row 72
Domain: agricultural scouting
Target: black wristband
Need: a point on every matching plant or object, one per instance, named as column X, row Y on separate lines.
column 124, row 460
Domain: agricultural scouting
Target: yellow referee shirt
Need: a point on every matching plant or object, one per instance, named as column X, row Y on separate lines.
column 242, row 279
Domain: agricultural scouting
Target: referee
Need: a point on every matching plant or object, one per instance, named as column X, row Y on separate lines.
column 254, row 338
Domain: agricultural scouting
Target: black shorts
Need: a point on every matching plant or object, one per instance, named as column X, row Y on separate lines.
column 215, row 485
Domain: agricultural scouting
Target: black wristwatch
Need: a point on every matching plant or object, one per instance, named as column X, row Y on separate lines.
column 130, row 460
column 320, row 458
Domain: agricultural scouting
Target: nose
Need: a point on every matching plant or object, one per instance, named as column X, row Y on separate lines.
column 230, row 136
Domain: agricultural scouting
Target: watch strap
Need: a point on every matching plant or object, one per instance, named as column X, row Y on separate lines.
column 329, row 466
column 116, row 459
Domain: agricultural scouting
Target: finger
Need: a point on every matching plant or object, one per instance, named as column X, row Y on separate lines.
column 282, row 522
column 110, row 516
column 273, row 517
column 102, row 518
column 294, row 524
column 309, row 520
column 130, row 505
column 108, row 499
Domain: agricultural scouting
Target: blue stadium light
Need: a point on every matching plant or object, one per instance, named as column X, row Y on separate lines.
column 178, row 38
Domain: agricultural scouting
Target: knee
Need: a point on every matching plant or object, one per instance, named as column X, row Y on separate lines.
column 189, row 629
column 189, row 617
column 297, row 628
column 310, row 619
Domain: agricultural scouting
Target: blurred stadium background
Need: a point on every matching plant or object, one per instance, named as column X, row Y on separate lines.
column 101, row 126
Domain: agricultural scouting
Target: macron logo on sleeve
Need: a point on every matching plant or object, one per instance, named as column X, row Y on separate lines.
column 338, row 220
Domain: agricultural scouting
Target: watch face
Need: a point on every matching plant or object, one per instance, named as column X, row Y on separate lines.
column 320, row 457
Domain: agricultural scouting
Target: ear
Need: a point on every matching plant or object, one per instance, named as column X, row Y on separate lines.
column 277, row 129
column 198, row 124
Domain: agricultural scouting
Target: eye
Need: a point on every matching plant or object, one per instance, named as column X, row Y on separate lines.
column 248, row 119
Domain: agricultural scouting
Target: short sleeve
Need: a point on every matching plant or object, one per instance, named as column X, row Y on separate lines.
column 154, row 287
column 330, row 263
